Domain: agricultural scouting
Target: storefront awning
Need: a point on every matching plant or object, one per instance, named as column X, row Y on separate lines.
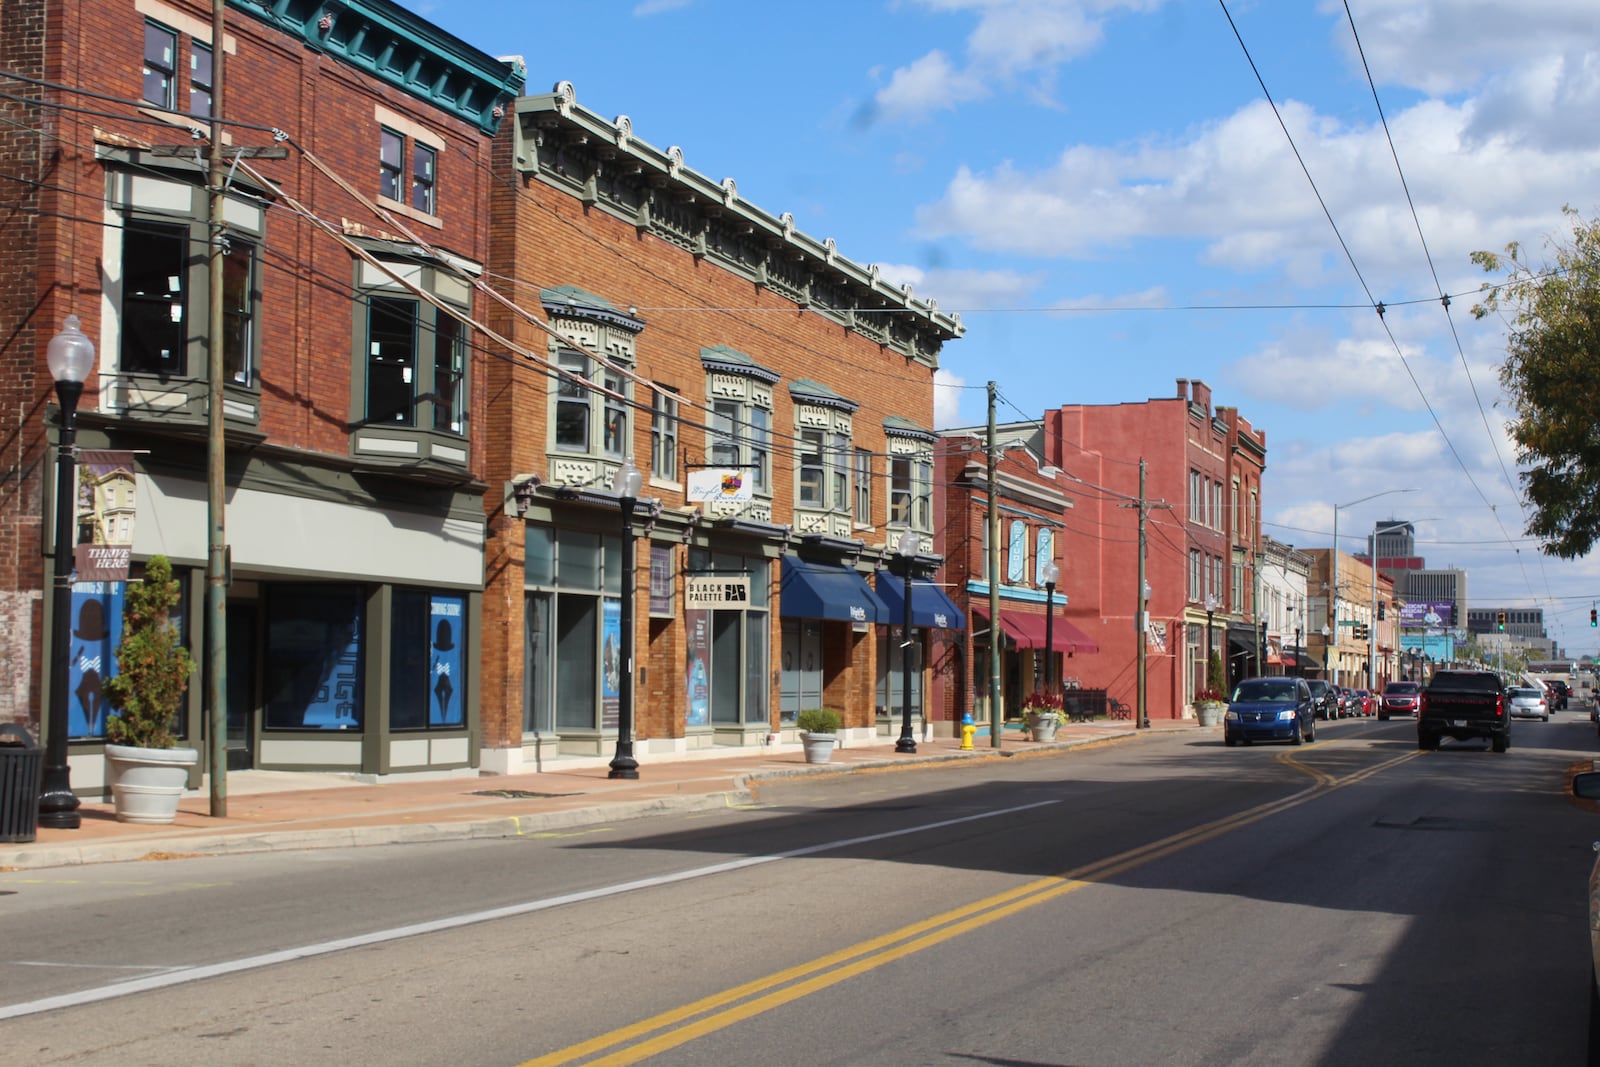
column 1028, row 631
column 931, row 608
column 828, row 591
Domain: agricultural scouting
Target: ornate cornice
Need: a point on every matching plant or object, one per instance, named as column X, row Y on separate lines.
column 603, row 164
column 395, row 46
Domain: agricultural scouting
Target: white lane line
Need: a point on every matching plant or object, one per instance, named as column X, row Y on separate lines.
column 185, row 975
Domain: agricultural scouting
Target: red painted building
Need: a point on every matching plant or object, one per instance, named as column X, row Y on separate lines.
column 1199, row 496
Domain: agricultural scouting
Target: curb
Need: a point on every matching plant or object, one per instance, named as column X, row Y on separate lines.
column 497, row 827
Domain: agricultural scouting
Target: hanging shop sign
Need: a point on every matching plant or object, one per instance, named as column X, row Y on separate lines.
column 710, row 592
column 719, row 483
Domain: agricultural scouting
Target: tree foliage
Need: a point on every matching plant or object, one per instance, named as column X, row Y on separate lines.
column 153, row 666
column 1552, row 364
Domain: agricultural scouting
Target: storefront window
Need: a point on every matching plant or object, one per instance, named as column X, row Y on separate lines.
column 731, row 662
column 313, row 657
column 573, row 579
column 427, row 688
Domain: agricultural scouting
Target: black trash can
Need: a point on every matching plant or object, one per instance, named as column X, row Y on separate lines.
column 21, row 775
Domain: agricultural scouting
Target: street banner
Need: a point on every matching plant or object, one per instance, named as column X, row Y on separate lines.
column 697, row 672
column 610, row 664
column 104, row 516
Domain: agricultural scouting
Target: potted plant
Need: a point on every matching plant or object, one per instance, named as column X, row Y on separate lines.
column 819, row 732
column 145, row 767
column 1044, row 714
column 1210, row 705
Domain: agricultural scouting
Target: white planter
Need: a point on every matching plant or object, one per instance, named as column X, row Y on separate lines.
column 1211, row 714
column 1043, row 729
column 146, row 783
column 819, row 747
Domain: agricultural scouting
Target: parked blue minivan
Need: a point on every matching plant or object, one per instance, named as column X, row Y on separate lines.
column 1270, row 709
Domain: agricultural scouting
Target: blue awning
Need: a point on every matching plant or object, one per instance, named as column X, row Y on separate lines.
column 827, row 591
column 931, row 607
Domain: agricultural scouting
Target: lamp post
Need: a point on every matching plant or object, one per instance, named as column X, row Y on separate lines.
column 906, row 548
column 1051, row 574
column 1333, row 591
column 71, row 357
column 1211, row 611
column 1297, row 668
column 625, row 483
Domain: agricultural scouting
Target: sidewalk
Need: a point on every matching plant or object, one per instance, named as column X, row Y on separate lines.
column 273, row 810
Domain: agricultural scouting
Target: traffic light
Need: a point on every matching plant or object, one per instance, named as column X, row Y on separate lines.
column 1594, row 617
column 1382, row 610
column 1361, row 631
column 1500, row 621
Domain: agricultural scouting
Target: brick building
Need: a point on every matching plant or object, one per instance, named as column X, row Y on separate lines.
column 1201, row 498
column 776, row 398
column 353, row 389
column 1035, row 514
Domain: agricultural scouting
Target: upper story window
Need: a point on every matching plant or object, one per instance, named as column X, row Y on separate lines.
column 1197, row 500
column 825, row 459
column 415, row 371
column 588, row 420
column 391, row 163
column 1194, row 575
column 200, row 75
column 160, row 66
column 408, row 164
column 160, row 279
column 164, row 66
column 741, row 439
column 424, row 161
column 910, row 474
column 591, row 398
column 862, row 513
column 664, row 435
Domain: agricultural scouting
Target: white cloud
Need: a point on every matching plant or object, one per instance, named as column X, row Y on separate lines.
column 947, row 395
column 1014, row 41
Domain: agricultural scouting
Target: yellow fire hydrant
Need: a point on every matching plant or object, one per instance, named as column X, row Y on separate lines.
column 967, row 730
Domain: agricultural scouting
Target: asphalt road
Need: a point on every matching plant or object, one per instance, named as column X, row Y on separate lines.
column 1165, row 900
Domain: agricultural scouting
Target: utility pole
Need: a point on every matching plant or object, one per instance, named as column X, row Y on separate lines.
column 996, row 710
column 1142, row 617
column 216, row 632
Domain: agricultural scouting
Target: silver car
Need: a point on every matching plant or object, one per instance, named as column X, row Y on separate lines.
column 1523, row 702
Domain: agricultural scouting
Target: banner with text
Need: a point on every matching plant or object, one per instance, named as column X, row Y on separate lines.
column 103, row 516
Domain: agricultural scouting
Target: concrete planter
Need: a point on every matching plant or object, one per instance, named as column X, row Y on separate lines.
column 147, row 783
column 818, row 747
column 1043, row 727
column 1211, row 714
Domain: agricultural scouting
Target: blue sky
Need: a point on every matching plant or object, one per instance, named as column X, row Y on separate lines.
column 1103, row 192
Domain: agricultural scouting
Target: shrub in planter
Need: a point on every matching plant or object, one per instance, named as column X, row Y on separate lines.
column 153, row 666
column 818, row 721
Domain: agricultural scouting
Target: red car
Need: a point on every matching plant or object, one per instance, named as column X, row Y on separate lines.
column 1400, row 698
column 1366, row 703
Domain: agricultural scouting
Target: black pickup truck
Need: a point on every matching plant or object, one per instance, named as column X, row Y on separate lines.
column 1462, row 705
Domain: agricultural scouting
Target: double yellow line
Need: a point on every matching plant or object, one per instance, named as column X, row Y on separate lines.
column 670, row 1029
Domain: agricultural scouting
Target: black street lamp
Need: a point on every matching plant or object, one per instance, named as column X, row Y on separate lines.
column 625, row 483
column 71, row 358
column 1297, row 667
column 1211, row 611
column 1051, row 573
column 907, row 549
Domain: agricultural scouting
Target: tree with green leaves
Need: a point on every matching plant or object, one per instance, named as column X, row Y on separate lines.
column 1552, row 315
column 153, row 666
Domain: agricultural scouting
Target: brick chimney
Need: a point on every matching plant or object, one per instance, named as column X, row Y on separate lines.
column 1202, row 395
column 1183, row 389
